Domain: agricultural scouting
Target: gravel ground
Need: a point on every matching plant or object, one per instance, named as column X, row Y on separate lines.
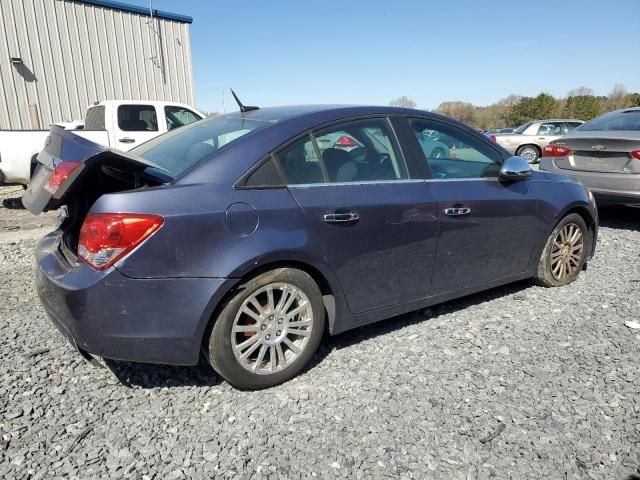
column 519, row 382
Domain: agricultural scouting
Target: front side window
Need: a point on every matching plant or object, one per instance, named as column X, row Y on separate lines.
column 451, row 153
column 179, row 116
column 137, row 118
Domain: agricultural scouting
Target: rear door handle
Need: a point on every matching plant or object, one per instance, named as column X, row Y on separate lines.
column 457, row 211
column 126, row 140
column 340, row 217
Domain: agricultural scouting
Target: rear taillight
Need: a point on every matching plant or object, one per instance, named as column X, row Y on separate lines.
column 492, row 138
column 60, row 173
column 555, row 151
column 636, row 154
column 345, row 141
column 107, row 237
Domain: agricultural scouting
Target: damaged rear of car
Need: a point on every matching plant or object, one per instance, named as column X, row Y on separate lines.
column 111, row 204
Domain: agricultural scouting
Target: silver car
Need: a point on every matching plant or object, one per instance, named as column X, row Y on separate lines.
column 528, row 140
column 604, row 154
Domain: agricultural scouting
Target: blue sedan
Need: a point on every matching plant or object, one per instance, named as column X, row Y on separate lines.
column 248, row 235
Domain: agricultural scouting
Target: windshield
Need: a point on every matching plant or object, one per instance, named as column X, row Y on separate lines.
column 622, row 120
column 522, row 128
column 185, row 147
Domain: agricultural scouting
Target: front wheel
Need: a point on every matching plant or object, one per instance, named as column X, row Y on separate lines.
column 564, row 253
column 530, row 153
column 269, row 330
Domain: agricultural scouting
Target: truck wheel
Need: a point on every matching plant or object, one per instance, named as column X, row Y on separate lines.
column 564, row 253
column 269, row 330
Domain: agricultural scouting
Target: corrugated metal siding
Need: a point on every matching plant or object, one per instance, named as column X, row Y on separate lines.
column 75, row 53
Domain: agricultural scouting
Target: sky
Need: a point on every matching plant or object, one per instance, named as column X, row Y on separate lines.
column 371, row 52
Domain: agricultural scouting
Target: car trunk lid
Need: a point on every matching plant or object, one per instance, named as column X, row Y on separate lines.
column 76, row 158
column 607, row 152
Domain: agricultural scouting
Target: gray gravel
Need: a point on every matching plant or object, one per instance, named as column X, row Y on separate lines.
column 519, row 382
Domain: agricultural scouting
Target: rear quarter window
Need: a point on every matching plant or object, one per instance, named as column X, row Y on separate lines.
column 94, row 119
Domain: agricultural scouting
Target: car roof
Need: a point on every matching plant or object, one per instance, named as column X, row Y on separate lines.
column 278, row 114
column 558, row 120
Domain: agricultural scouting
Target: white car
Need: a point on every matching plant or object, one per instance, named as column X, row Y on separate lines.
column 121, row 124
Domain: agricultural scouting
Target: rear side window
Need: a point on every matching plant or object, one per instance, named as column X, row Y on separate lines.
column 300, row 163
column 551, row 128
column 571, row 125
column 137, row 118
column 356, row 151
column 179, row 116
column 361, row 151
column 94, row 120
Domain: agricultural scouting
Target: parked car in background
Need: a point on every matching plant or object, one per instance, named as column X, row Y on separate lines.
column 498, row 130
column 528, row 140
column 249, row 249
column 122, row 124
column 604, row 154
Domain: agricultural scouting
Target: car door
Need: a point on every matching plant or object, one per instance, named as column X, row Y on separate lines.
column 486, row 227
column 376, row 223
column 549, row 131
column 135, row 124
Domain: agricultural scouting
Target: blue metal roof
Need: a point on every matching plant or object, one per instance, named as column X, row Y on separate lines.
column 140, row 10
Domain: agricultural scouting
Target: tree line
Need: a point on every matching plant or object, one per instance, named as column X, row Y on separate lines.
column 579, row 103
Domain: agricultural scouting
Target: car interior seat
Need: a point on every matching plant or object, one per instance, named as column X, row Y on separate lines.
column 340, row 166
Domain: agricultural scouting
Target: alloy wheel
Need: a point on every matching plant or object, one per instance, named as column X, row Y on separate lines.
column 272, row 328
column 567, row 251
column 529, row 154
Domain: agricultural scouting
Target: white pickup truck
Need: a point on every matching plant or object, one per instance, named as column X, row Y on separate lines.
column 121, row 124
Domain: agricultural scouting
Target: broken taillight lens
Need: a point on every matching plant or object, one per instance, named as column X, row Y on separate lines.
column 60, row 173
column 107, row 237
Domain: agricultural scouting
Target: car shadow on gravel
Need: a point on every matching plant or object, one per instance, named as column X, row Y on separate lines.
column 390, row 325
column 619, row 217
column 143, row 375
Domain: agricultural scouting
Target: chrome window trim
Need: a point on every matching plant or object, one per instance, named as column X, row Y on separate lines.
column 364, row 182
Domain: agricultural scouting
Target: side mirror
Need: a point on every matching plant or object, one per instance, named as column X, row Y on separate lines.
column 514, row 169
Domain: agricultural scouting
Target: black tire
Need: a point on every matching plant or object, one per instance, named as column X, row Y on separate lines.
column 545, row 276
column 535, row 153
column 220, row 352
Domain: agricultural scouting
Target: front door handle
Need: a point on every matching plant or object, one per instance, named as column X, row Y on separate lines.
column 457, row 211
column 341, row 217
column 127, row 140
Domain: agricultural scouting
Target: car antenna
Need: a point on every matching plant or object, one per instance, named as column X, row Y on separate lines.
column 243, row 108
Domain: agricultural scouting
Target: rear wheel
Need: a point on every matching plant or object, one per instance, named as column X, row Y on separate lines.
column 269, row 331
column 564, row 253
column 530, row 153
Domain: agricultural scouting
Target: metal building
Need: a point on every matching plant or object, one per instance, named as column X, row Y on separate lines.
column 58, row 56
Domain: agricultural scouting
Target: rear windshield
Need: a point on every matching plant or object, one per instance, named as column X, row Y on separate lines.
column 522, row 128
column 621, row 120
column 181, row 149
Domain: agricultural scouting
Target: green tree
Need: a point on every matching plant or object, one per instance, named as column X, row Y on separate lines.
column 634, row 99
column 531, row 108
column 583, row 107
